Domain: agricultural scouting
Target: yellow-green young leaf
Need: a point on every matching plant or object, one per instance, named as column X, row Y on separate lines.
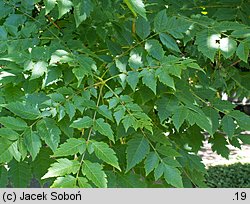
column 137, row 7
column 105, row 153
column 173, row 176
column 243, row 51
column 83, row 182
column 94, row 172
column 169, row 42
column 228, row 126
column 62, row 167
column 84, row 122
column 49, row 132
column 151, row 162
column 103, row 128
column 32, row 142
column 64, row 6
column 179, row 117
column 137, row 149
column 13, row 123
column 8, row 133
column 64, row 182
column 71, row 147
column 26, row 111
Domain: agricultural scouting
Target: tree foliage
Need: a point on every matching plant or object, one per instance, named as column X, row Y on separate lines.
column 114, row 93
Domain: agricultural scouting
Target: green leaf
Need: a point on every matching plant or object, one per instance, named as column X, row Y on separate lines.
column 3, row 177
column 195, row 138
column 243, row 51
column 167, row 151
column 242, row 119
column 137, row 150
column 137, row 7
column 173, row 176
column 172, row 25
column 82, row 10
column 104, row 111
column 4, row 145
column 64, row 182
column 49, row 5
column 160, row 21
column 84, row 122
column 86, row 65
column 166, row 106
column 203, row 122
column 154, row 49
column 32, row 142
column 179, row 117
column 228, row 126
column 49, row 132
column 129, row 121
column 151, row 162
column 165, row 78
column 64, row 7
column 119, row 115
column 149, row 79
column 42, row 162
column 228, row 47
column 38, row 69
column 169, row 42
column 219, row 143
column 214, row 116
column 26, row 111
column 130, row 180
column 103, row 128
column 207, row 42
column 132, row 79
column 62, row 167
column 8, row 134
column 159, row 170
column 70, row 109
column 71, row 147
column 20, row 174
column 105, row 153
column 142, row 28
column 83, row 182
column 13, row 123
column 94, row 172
